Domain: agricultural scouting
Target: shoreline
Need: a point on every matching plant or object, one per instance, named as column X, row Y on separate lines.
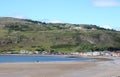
column 90, row 58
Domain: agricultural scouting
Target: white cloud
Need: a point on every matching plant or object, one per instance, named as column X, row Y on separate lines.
column 105, row 3
column 51, row 21
column 106, row 27
column 110, row 27
column 55, row 21
column 117, row 28
column 19, row 16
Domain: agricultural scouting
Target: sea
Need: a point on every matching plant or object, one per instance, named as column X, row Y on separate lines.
column 31, row 58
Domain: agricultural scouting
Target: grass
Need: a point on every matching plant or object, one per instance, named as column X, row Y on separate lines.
column 48, row 36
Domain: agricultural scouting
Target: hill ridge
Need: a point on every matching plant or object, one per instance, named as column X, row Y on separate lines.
column 26, row 34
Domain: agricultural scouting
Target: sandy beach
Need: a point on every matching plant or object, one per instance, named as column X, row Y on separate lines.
column 62, row 69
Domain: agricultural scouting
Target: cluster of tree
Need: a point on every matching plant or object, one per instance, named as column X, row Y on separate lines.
column 18, row 27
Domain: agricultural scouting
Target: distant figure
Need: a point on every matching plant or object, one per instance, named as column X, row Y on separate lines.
column 37, row 61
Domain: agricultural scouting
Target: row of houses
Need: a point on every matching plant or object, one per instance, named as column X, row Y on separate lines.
column 35, row 52
column 41, row 52
column 97, row 53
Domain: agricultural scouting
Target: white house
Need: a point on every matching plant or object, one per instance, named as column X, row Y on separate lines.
column 88, row 54
column 74, row 53
column 107, row 53
column 36, row 52
column 44, row 52
column 96, row 53
column 24, row 52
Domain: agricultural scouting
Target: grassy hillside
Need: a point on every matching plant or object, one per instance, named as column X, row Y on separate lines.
column 19, row 34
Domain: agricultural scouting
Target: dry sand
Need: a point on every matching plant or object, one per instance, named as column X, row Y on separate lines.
column 62, row 69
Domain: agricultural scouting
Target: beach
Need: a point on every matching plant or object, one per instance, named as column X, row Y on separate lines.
column 108, row 68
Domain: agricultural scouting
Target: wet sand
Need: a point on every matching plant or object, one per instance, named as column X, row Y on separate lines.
column 62, row 69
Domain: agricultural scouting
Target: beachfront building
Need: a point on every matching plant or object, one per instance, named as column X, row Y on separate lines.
column 44, row 53
column 74, row 53
column 24, row 52
column 106, row 53
column 96, row 53
column 117, row 53
column 36, row 52
column 86, row 54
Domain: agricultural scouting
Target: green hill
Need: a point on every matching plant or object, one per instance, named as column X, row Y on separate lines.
column 25, row 34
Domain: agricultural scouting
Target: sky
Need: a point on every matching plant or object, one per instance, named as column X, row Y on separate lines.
column 104, row 13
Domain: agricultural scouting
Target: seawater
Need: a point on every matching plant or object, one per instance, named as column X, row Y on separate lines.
column 26, row 58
